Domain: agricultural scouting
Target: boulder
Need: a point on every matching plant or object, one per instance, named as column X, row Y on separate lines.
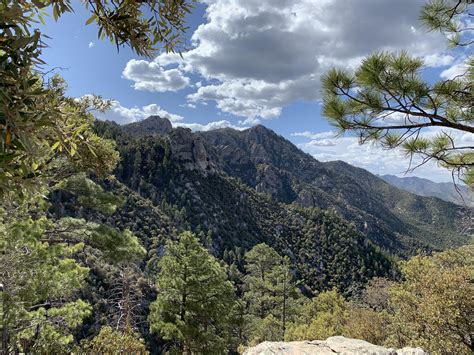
column 332, row 345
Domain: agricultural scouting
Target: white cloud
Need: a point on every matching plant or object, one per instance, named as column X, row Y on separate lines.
column 188, row 105
column 324, row 147
column 456, row 70
column 256, row 57
column 91, row 44
column 209, row 126
column 124, row 115
column 151, row 76
column 438, row 60
column 319, row 135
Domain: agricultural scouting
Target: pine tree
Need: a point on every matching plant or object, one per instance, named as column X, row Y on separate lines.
column 38, row 279
column 195, row 300
column 270, row 292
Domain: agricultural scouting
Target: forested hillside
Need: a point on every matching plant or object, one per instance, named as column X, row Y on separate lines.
column 394, row 220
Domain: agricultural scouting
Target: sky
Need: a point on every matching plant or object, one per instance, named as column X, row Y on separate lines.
column 255, row 62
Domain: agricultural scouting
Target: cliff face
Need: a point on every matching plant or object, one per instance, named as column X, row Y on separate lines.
column 189, row 150
column 333, row 345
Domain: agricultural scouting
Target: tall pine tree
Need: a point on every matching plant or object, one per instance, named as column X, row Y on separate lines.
column 195, row 299
column 270, row 292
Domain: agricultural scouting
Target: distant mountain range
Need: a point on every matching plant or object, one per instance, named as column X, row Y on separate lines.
column 446, row 191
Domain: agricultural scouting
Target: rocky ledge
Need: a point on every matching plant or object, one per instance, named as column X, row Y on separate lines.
column 332, row 345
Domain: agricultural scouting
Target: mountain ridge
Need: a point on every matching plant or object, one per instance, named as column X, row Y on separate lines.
column 447, row 191
column 268, row 163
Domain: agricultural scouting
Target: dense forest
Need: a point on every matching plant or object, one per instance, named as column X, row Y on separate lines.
column 147, row 238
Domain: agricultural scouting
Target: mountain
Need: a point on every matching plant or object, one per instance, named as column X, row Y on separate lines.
column 340, row 225
column 395, row 220
column 184, row 188
column 460, row 195
column 151, row 125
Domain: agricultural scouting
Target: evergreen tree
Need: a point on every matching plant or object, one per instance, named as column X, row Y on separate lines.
column 38, row 281
column 195, row 300
column 270, row 292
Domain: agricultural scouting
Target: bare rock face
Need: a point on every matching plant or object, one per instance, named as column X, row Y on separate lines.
column 332, row 345
column 189, row 150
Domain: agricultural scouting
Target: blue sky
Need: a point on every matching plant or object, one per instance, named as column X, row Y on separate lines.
column 253, row 62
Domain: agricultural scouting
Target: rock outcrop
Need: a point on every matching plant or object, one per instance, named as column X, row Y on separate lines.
column 152, row 125
column 332, row 345
column 189, row 150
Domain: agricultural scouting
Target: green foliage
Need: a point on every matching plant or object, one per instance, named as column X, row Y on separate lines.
column 270, row 292
column 45, row 140
column 44, row 134
column 91, row 195
column 434, row 307
column 447, row 17
column 431, row 308
column 387, row 101
column 195, row 299
column 116, row 246
column 39, row 279
column 324, row 316
column 110, row 341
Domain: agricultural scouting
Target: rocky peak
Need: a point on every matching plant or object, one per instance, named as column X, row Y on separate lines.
column 150, row 126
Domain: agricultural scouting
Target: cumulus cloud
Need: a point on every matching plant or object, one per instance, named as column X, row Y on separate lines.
column 151, row 76
column 438, row 60
column 325, row 146
column 319, row 135
column 124, row 115
column 209, row 126
column 458, row 69
column 255, row 57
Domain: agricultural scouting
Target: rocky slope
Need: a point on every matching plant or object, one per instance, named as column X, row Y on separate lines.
column 333, row 345
column 395, row 220
column 446, row 191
